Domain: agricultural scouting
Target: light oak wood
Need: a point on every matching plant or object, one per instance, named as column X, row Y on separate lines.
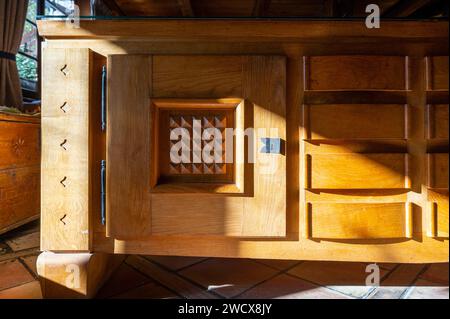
column 356, row 73
column 437, row 73
column 74, row 276
column 357, row 121
column 217, row 231
column 264, row 85
column 437, row 121
column 245, row 30
column 197, row 76
column 385, row 250
column 439, row 211
column 236, row 216
column 363, row 146
column 355, row 96
column 128, row 147
column 437, row 170
column 359, row 221
column 170, row 114
column 65, row 197
column 358, row 171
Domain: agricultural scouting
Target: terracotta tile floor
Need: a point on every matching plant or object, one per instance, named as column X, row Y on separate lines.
column 192, row 277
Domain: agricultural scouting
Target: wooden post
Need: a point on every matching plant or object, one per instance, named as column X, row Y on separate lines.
column 74, row 275
column 69, row 197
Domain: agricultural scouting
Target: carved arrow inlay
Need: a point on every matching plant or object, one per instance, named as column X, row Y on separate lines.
column 64, row 70
column 63, row 106
column 62, row 144
column 62, row 181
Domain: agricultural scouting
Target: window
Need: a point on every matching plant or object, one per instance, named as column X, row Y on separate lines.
column 28, row 58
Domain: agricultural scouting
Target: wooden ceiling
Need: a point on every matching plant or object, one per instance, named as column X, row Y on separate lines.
column 273, row 8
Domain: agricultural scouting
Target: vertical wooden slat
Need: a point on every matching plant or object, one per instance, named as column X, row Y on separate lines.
column 65, row 181
column 294, row 133
column 128, row 147
column 432, row 229
column 264, row 85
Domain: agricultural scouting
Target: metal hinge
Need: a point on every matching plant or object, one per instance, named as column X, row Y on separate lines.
column 103, row 191
column 271, row 145
column 103, row 98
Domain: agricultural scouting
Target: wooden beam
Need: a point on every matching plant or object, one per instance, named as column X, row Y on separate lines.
column 246, row 30
column 186, row 8
column 405, row 8
column 260, row 8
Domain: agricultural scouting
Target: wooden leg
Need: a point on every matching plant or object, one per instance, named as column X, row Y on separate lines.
column 74, row 275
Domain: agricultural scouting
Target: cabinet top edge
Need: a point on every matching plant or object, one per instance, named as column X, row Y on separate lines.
column 245, row 30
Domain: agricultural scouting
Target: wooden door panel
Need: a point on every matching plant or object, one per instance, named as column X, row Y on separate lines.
column 357, row 121
column 168, row 202
column 260, row 212
column 128, row 147
column 359, row 221
column 357, row 171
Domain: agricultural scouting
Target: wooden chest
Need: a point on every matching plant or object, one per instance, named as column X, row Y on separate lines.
column 350, row 144
column 19, row 170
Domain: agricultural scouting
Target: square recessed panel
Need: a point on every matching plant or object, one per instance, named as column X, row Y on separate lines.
column 193, row 163
column 193, row 151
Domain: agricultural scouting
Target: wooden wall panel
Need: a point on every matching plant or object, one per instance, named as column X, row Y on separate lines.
column 437, row 121
column 197, row 76
column 128, row 146
column 65, row 197
column 437, row 73
column 357, row 171
column 359, row 221
column 437, row 170
column 356, row 121
column 356, row 73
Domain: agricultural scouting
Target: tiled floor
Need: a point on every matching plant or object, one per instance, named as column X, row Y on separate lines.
column 191, row 277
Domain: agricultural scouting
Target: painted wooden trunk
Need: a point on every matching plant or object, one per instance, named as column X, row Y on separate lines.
column 348, row 159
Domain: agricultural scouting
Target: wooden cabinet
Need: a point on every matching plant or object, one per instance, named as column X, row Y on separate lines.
column 19, row 170
column 352, row 164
